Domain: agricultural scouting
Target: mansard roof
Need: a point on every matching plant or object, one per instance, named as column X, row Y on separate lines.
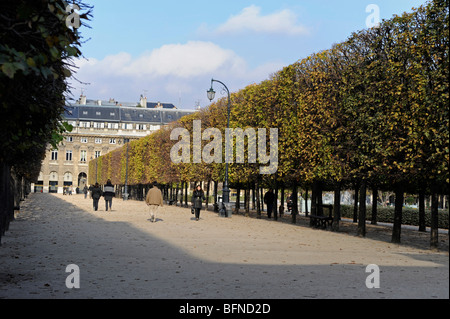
column 104, row 113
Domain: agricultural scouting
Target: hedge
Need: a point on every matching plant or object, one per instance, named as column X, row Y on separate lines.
column 410, row 216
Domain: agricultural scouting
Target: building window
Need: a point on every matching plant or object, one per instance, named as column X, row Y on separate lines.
column 98, row 141
column 54, row 155
column 68, row 155
column 98, row 154
column 141, row 126
column 113, row 125
column 85, row 124
column 85, row 112
column 112, row 114
column 99, row 125
column 84, row 140
column 112, row 141
column 83, row 156
column 98, row 113
column 69, row 139
column 127, row 126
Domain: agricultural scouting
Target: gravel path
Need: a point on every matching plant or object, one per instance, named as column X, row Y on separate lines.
column 121, row 254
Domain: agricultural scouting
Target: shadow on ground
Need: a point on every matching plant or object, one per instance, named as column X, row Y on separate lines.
column 117, row 260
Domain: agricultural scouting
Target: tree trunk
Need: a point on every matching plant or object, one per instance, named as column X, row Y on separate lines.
column 319, row 198
column 258, row 201
column 247, row 201
column 207, row 193
column 216, row 183
column 238, row 200
column 337, row 207
column 274, row 205
column 294, row 204
column 253, row 197
column 397, row 229
column 281, row 211
column 374, row 205
column 362, row 210
column 181, row 194
column 186, row 194
column 434, row 239
column 314, row 199
column 306, row 201
column 355, row 206
column 262, row 198
column 422, row 226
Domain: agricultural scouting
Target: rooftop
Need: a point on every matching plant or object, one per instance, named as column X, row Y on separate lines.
column 115, row 111
column 112, row 102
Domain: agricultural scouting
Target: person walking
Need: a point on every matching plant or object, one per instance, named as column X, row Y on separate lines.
column 268, row 200
column 197, row 198
column 85, row 191
column 108, row 194
column 154, row 200
column 96, row 194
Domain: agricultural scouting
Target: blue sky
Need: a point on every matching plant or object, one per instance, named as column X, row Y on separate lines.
column 170, row 50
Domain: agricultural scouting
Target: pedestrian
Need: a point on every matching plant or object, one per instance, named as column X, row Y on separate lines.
column 108, row 194
column 96, row 194
column 154, row 200
column 85, row 191
column 268, row 200
column 197, row 198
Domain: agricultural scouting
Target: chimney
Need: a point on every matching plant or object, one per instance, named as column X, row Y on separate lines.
column 82, row 99
column 143, row 102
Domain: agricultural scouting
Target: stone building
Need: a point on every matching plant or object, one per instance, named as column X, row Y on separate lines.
column 98, row 128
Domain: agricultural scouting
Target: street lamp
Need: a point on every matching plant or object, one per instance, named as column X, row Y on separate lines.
column 226, row 191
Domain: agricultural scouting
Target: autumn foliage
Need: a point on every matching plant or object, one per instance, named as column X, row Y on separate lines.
column 373, row 108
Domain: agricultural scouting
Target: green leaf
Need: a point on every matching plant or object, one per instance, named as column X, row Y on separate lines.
column 31, row 63
column 9, row 70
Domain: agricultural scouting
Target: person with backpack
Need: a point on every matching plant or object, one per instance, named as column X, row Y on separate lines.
column 108, row 194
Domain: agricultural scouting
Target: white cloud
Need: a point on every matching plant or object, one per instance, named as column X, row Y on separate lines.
column 250, row 19
column 170, row 73
column 192, row 59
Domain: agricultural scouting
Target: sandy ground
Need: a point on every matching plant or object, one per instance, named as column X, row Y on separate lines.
column 121, row 254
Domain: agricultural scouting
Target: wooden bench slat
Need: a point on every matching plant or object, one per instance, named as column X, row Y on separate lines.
column 321, row 220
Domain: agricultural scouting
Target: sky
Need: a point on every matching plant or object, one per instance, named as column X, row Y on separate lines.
column 170, row 50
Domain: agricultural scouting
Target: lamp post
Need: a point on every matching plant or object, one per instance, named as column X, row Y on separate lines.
column 226, row 191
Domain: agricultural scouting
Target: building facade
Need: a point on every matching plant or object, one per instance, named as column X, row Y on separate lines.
column 98, row 128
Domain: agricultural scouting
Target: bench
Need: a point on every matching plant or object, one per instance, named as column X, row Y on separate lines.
column 319, row 220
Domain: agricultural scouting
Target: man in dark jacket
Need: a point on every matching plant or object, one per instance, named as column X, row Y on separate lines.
column 268, row 200
column 108, row 193
column 197, row 198
column 96, row 194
